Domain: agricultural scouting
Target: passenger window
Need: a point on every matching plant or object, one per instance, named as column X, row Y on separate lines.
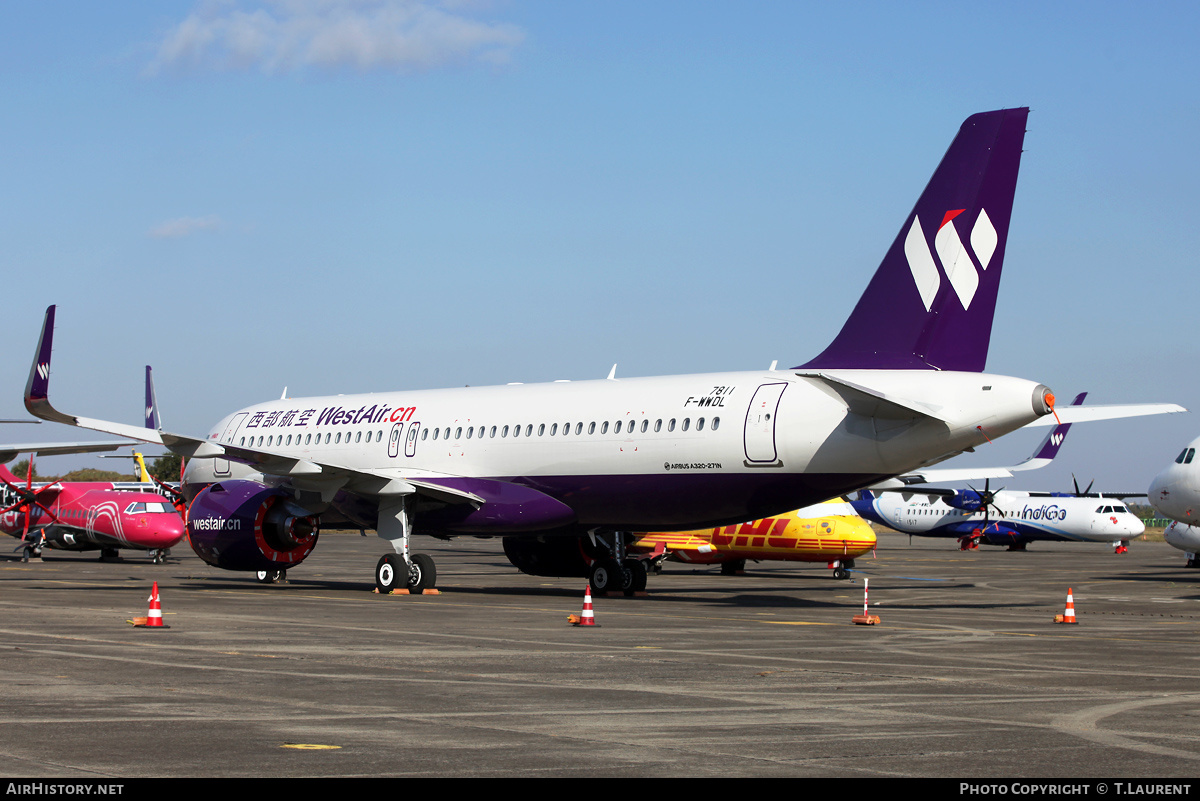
column 671, row 425
column 700, row 424
column 529, row 430
column 458, row 433
column 578, row 429
column 715, row 423
column 541, row 429
column 553, row 429
column 591, row 428
column 504, row 431
column 470, row 430
column 657, row 426
column 645, row 425
column 687, row 421
column 604, row 427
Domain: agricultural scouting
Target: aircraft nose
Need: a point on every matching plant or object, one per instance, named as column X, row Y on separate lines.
column 167, row 530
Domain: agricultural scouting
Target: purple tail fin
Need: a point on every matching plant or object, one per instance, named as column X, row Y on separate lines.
column 931, row 302
column 38, row 385
column 151, row 405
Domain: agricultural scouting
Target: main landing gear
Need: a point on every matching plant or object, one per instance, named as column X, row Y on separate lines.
column 842, row 568
column 276, row 576
column 401, row 570
column 416, row 575
column 615, row 571
column 30, row 552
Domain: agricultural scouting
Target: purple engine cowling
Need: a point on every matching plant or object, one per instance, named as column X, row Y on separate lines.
column 245, row 525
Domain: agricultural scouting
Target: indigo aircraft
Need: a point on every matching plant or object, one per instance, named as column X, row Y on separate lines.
column 1012, row 518
column 1004, row 517
column 899, row 388
column 1175, row 493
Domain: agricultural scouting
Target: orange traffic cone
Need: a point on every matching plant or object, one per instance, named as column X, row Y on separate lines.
column 154, row 617
column 585, row 618
column 1069, row 615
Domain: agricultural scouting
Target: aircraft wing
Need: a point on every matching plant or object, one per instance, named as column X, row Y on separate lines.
column 10, row 452
column 323, row 477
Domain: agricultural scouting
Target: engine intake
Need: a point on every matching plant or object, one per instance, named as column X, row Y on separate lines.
column 245, row 525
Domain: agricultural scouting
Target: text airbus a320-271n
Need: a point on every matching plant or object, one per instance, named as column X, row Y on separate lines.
column 899, row 388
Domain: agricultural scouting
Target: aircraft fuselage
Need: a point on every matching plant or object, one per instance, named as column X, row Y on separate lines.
column 675, row 451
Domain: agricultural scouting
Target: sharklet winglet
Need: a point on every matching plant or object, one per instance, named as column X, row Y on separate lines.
column 37, row 390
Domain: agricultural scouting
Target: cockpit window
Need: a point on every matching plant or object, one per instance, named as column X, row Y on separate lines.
column 148, row 508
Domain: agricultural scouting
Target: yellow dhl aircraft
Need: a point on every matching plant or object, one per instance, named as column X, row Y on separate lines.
column 825, row 532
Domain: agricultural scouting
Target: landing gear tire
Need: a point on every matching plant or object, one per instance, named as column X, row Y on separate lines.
column 391, row 573
column 422, row 575
column 27, row 553
column 158, row 558
column 841, row 573
column 270, row 576
column 635, row 570
column 606, row 576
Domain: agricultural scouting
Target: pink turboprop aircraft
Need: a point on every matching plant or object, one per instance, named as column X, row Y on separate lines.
column 86, row 516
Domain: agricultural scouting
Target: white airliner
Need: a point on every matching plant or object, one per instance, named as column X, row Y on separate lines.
column 898, row 389
column 1012, row 518
column 1175, row 493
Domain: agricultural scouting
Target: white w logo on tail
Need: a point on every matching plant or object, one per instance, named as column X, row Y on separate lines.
column 955, row 257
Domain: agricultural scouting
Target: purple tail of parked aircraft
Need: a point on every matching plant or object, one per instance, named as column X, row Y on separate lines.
column 931, row 302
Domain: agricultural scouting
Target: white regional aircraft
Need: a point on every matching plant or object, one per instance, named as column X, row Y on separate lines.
column 1005, row 517
column 1175, row 493
column 898, row 389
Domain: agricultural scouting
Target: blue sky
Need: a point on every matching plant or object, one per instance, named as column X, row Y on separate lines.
column 354, row 196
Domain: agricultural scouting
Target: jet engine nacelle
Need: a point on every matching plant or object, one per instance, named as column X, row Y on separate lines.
column 563, row 557
column 244, row 525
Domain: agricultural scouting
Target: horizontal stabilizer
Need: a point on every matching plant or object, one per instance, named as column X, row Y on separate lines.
column 1088, row 414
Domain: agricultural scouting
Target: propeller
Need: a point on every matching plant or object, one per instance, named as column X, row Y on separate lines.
column 987, row 501
column 28, row 499
column 1083, row 494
